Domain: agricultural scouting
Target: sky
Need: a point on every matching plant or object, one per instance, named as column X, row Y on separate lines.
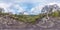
column 27, row 6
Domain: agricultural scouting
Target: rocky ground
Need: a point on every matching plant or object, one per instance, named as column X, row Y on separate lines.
column 7, row 23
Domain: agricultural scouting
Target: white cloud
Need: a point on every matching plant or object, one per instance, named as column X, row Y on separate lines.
column 26, row 13
column 5, row 6
column 36, row 10
column 20, row 9
column 9, row 10
column 29, row 1
column 54, row 3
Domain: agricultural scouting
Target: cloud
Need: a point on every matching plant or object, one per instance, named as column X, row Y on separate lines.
column 54, row 3
column 5, row 6
column 14, row 5
column 26, row 13
column 36, row 10
column 8, row 7
column 19, row 8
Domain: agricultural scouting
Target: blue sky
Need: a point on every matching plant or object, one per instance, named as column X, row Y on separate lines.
column 29, row 6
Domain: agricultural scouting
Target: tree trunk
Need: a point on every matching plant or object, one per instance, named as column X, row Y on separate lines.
column 47, row 16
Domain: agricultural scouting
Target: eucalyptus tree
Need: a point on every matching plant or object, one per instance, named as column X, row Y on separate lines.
column 21, row 13
column 1, row 10
column 48, row 9
column 46, row 22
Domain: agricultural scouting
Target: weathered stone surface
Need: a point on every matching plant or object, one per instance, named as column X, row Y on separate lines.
column 7, row 23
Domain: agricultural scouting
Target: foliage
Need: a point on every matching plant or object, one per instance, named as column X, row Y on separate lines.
column 55, row 14
column 31, row 18
column 27, row 18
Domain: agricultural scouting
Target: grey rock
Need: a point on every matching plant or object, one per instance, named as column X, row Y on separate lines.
column 7, row 23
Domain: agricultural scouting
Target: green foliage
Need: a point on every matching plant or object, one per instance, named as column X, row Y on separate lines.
column 55, row 14
column 31, row 18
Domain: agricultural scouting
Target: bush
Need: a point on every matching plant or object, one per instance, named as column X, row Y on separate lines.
column 55, row 14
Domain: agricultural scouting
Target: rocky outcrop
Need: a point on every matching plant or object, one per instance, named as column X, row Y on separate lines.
column 7, row 23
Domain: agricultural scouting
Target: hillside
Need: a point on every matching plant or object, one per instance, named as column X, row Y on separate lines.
column 44, row 21
column 12, row 23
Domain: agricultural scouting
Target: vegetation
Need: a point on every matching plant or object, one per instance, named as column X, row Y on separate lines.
column 27, row 18
column 55, row 14
column 30, row 18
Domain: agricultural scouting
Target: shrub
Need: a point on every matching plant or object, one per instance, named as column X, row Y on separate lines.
column 55, row 14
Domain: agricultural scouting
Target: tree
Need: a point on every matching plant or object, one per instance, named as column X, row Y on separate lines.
column 10, row 13
column 1, row 10
column 47, row 10
column 22, row 13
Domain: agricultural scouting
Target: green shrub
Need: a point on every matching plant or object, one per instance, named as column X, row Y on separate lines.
column 55, row 14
